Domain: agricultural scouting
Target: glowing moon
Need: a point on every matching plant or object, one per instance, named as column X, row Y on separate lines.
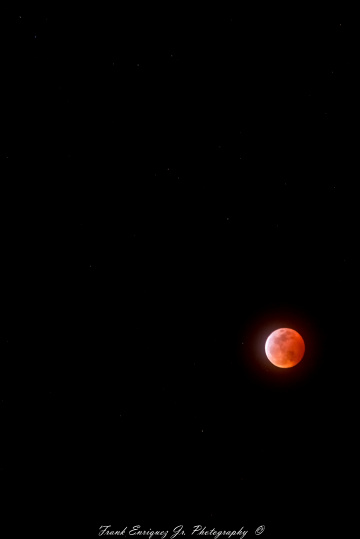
column 285, row 348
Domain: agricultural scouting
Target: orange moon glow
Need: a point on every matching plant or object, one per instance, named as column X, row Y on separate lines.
column 285, row 348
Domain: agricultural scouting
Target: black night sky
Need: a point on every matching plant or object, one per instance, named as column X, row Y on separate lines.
column 175, row 185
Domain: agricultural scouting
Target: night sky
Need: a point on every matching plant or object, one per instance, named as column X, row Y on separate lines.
column 175, row 185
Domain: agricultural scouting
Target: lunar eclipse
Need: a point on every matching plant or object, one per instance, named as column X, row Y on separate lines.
column 285, row 348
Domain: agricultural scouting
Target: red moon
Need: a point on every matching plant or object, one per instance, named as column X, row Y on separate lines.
column 285, row 348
